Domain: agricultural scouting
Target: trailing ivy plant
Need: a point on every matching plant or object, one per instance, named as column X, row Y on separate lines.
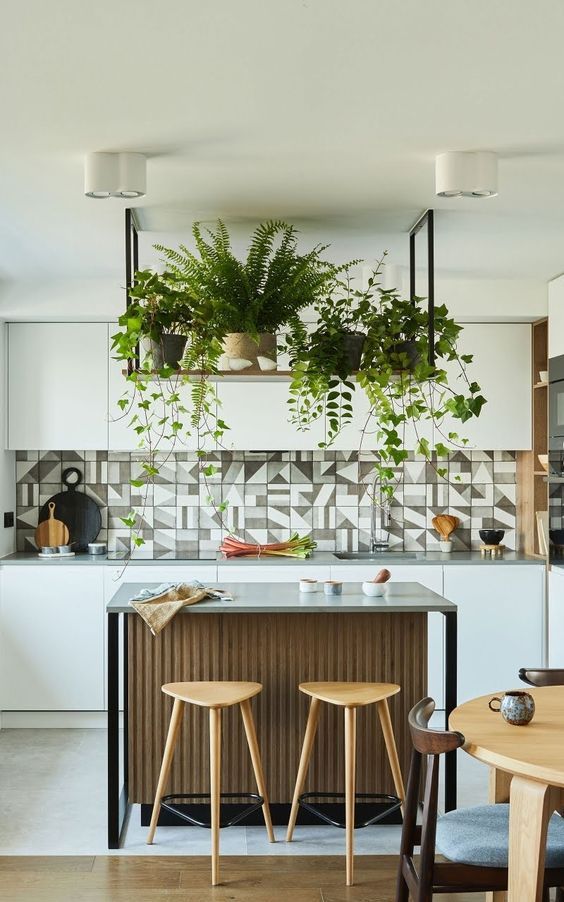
column 405, row 392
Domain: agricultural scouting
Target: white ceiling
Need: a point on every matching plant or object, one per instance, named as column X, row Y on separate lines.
column 325, row 112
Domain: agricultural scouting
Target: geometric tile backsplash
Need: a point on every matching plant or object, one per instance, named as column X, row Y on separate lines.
column 272, row 494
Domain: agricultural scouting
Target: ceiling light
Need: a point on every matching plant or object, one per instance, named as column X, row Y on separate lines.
column 466, row 174
column 115, row 175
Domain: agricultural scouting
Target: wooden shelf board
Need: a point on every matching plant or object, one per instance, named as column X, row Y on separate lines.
column 540, row 385
column 232, row 376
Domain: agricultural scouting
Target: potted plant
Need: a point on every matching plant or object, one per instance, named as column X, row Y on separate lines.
column 252, row 298
column 404, row 390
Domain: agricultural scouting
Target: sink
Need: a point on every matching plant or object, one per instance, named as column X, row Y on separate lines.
column 374, row 555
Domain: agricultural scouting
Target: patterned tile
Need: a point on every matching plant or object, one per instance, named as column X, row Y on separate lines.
column 270, row 494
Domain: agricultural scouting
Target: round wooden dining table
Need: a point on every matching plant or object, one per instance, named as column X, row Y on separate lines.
column 528, row 768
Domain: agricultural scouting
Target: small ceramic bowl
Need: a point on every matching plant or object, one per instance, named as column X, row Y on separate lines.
column 543, row 375
column 492, row 536
column 239, row 363
column 332, row 587
column 308, row 585
column 374, row 589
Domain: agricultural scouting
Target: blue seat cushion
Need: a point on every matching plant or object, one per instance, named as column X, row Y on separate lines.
column 480, row 836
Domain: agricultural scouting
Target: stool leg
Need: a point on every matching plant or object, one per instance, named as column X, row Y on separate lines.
column 307, row 748
column 215, row 773
column 252, row 742
column 172, row 736
column 391, row 749
column 350, row 785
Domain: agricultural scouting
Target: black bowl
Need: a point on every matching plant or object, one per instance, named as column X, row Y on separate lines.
column 556, row 536
column 492, row 536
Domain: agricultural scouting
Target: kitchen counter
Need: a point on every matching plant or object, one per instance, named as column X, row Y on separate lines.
column 285, row 598
column 327, row 558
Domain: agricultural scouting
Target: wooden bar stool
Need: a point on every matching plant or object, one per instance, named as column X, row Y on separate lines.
column 349, row 696
column 215, row 696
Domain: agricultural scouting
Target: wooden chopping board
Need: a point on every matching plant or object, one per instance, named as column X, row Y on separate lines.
column 51, row 532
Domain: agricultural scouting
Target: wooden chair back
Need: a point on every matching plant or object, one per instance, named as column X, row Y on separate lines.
column 547, row 676
column 428, row 745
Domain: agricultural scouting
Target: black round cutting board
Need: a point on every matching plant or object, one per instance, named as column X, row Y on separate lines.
column 79, row 512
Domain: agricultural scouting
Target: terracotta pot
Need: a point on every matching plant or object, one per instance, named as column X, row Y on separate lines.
column 168, row 351
column 240, row 345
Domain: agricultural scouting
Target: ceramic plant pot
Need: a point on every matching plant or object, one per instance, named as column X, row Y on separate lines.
column 353, row 345
column 168, row 351
column 241, row 346
column 407, row 349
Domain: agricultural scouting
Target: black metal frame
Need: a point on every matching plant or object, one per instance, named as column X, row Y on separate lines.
column 131, row 265
column 118, row 800
column 394, row 804
column 427, row 219
column 166, row 803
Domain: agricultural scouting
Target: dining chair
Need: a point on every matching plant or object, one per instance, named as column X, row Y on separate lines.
column 474, row 841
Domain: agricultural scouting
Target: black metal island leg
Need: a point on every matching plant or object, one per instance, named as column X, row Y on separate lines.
column 451, row 691
column 117, row 789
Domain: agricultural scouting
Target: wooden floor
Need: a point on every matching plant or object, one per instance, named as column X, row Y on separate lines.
column 152, row 879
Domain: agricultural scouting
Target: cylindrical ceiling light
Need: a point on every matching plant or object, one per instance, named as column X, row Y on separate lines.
column 466, row 174
column 115, row 175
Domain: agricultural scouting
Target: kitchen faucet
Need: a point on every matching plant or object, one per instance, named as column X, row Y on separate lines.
column 380, row 516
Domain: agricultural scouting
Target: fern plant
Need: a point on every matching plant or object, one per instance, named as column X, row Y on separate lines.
column 262, row 293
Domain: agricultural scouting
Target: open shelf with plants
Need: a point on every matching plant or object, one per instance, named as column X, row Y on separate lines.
column 532, row 476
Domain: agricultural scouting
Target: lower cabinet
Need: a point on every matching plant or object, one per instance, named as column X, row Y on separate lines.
column 501, row 621
column 556, row 617
column 432, row 578
column 52, row 638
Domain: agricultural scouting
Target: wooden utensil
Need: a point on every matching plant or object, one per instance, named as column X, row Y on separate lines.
column 445, row 525
column 51, row 532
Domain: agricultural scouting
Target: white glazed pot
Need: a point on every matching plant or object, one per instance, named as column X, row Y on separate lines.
column 445, row 546
column 374, row 589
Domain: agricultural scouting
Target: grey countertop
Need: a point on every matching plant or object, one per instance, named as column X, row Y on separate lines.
column 285, row 598
column 320, row 558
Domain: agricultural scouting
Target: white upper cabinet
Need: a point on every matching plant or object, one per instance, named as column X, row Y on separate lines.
column 257, row 415
column 555, row 317
column 57, row 386
column 502, row 367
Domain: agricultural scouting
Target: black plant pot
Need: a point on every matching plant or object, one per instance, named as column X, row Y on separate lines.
column 168, row 351
column 353, row 344
column 408, row 349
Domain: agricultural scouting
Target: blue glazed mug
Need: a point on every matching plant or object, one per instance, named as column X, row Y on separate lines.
column 516, row 707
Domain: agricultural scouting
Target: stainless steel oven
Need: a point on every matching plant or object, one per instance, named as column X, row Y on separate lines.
column 556, row 402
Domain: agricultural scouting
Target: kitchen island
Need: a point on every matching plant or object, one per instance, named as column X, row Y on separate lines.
column 273, row 634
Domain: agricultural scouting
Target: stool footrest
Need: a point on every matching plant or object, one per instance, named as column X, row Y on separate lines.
column 394, row 804
column 168, row 801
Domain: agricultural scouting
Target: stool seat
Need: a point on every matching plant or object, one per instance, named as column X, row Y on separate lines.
column 350, row 695
column 212, row 694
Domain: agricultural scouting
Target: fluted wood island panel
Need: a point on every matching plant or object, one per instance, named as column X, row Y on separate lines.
column 278, row 650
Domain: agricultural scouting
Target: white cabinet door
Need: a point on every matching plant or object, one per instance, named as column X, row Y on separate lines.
column 58, row 386
column 122, row 435
column 501, row 617
column 556, row 617
column 555, row 318
column 52, row 638
column 155, row 573
column 432, row 578
column 257, row 415
column 265, row 573
column 502, row 367
column 360, row 433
